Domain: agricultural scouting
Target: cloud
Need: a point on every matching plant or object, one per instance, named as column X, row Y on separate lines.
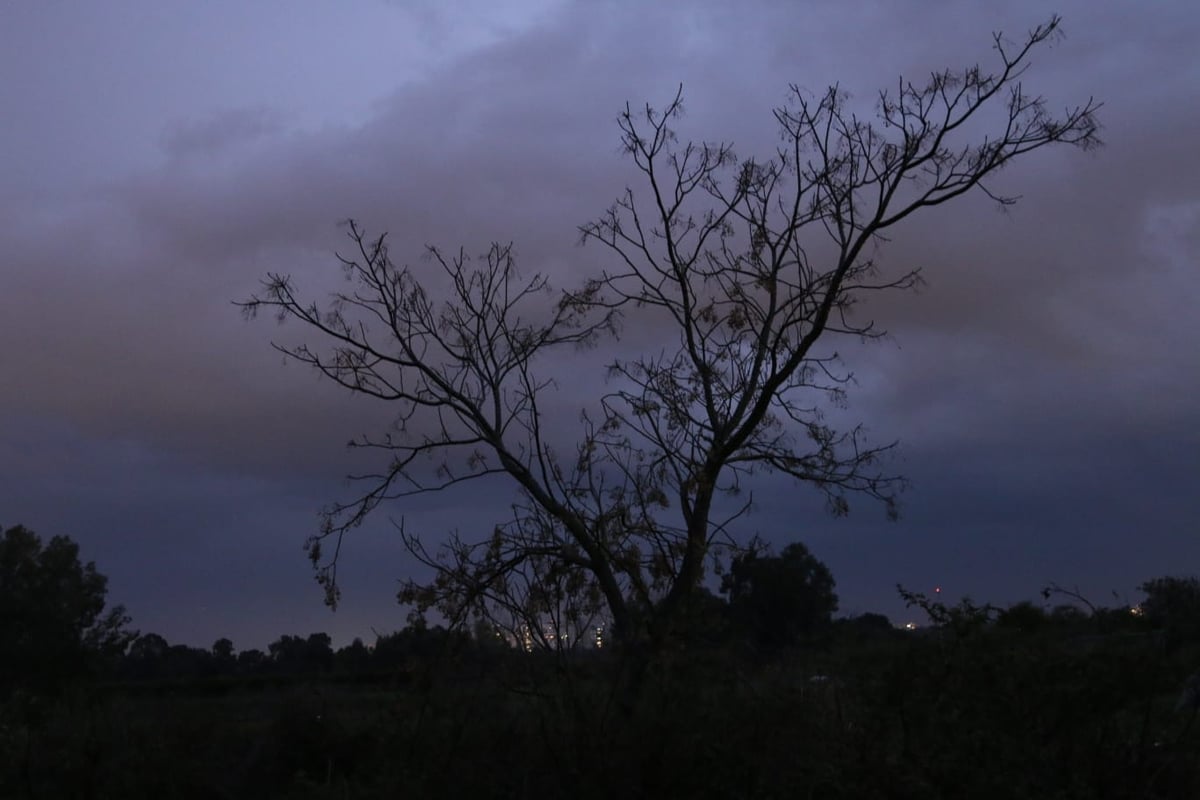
column 213, row 135
column 1064, row 322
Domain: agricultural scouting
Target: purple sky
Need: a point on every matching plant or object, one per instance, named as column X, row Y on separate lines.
column 157, row 158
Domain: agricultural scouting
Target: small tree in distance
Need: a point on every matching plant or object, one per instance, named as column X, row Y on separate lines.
column 778, row 601
column 720, row 250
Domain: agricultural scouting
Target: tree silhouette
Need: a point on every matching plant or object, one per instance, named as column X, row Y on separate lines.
column 779, row 600
column 224, row 656
column 753, row 267
column 1173, row 604
column 297, row 654
column 53, row 624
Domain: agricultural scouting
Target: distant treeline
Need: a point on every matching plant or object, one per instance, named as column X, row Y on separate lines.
column 1171, row 615
column 151, row 657
column 761, row 693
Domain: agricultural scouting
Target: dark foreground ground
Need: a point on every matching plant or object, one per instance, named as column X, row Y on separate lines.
column 968, row 711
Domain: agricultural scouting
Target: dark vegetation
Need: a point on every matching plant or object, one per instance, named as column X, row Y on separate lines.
column 1054, row 701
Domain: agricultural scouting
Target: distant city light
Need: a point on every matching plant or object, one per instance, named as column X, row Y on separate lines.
column 910, row 626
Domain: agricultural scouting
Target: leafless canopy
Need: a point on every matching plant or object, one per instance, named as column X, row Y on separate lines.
column 717, row 248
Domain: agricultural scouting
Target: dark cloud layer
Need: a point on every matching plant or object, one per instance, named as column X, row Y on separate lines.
column 1043, row 382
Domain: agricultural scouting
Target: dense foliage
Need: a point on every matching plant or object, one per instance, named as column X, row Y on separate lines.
column 52, row 612
column 1025, row 701
column 780, row 600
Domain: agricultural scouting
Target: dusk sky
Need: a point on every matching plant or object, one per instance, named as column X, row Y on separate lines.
column 158, row 158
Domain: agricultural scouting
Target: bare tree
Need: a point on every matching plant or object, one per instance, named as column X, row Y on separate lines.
column 723, row 252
